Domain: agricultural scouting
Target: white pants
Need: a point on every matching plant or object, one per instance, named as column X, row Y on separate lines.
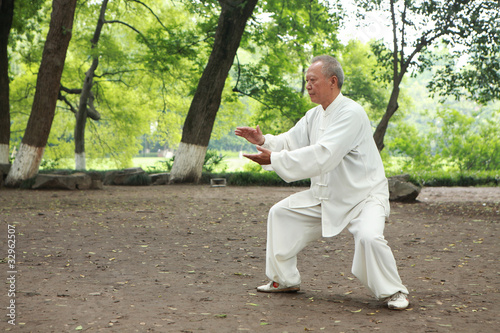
column 289, row 230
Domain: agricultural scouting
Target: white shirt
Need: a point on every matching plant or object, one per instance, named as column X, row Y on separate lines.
column 336, row 150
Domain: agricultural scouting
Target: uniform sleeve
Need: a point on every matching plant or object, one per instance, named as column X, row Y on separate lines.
column 339, row 139
column 297, row 137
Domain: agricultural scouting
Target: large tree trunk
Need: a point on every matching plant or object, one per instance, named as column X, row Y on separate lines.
column 37, row 131
column 81, row 115
column 6, row 14
column 188, row 163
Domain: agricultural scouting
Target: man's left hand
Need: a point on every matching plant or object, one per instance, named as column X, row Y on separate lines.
column 263, row 158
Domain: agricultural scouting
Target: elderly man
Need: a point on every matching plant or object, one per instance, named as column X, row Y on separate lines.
column 333, row 146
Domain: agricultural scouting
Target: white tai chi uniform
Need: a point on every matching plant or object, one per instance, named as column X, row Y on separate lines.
column 336, row 150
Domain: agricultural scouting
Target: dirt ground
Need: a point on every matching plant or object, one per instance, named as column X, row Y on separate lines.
column 187, row 258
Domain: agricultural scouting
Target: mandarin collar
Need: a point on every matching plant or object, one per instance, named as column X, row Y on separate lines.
column 333, row 105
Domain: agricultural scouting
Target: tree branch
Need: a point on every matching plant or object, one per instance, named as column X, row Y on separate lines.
column 118, row 72
column 131, row 27
column 70, row 91
column 395, row 41
column 92, row 113
column 151, row 11
column 402, row 52
column 121, row 81
column 68, row 103
column 239, row 73
column 235, row 89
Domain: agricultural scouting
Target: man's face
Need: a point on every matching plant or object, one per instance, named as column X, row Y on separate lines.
column 319, row 87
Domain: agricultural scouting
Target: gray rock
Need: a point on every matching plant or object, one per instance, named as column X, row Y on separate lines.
column 160, row 178
column 74, row 181
column 97, row 184
column 4, row 171
column 400, row 189
column 120, row 177
column 5, row 168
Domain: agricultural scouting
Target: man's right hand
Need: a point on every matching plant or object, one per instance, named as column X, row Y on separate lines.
column 253, row 135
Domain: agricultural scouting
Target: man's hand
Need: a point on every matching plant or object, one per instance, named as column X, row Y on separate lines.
column 253, row 135
column 264, row 158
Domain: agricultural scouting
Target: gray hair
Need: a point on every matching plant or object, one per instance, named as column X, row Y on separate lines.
column 331, row 67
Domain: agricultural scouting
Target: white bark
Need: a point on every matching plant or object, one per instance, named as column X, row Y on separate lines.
column 4, row 153
column 25, row 165
column 188, row 163
column 80, row 163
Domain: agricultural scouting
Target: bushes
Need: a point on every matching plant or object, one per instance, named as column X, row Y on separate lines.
column 453, row 141
column 252, row 179
column 441, row 178
column 425, row 178
column 138, row 180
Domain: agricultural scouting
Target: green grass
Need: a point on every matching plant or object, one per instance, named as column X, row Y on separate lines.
column 235, row 164
column 145, row 162
column 231, row 163
column 228, row 164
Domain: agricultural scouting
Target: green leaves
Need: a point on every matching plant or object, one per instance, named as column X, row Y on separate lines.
column 478, row 80
column 455, row 141
column 282, row 40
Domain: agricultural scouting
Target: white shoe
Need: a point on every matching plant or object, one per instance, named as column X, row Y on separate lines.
column 398, row 301
column 274, row 287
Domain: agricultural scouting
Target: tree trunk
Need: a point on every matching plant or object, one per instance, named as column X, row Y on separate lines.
column 6, row 14
column 381, row 129
column 37, row 131
column 81, row 115
column 188, row 163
